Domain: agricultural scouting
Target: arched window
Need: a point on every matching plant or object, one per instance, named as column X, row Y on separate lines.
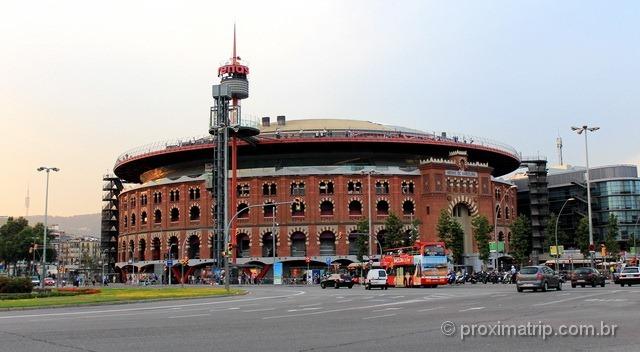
column 297, row 209
column 174, row 250
column 243, row 210
column 353, row 242
column 326, row 208
column 143, row 217
column 133, row 219
column 297, row 188
column 382, row 208
column 354, row 187
column 408, row 208
column 355, row 207
column 407, row 187
column 382, row 187
column 242, row 190
column 268, row 210
column 175, row 214
column 326, row 187
column 327, row 243
column 506, row 213
column 498, row 213
column 194, row 213
column 298, row 244
column 125, row 222
column 157, row 216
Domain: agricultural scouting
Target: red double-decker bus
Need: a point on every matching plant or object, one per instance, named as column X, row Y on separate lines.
column 423, row 265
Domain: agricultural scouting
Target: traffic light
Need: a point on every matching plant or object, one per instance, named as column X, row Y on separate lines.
column 184, row 261
column 603, row 250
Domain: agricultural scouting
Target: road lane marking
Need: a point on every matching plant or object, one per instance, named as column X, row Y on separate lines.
column 385, row 309
column 303, row 309
column 143, row 309
column 310, row 305
column 188, row 316
column 379, row 316
column 345, row 301
column 258, row 310
column 473, row 308
column 344, row 309
column 428, row 309
column 569, row 299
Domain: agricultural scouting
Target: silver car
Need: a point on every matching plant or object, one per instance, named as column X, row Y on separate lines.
column 538, row 278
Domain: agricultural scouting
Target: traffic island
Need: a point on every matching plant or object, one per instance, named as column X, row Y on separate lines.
column 118, row 295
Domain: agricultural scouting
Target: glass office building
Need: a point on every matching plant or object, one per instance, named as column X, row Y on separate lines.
column 614, row 190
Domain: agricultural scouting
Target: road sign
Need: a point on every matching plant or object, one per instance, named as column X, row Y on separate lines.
column 169, row 262
column 307, row 260
column 328, row 261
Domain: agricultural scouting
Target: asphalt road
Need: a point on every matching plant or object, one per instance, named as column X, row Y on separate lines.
column 312, row 319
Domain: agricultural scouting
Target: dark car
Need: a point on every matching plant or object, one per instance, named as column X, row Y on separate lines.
column 337, row 281
column 630, row 275
column 587, row 276
column 538, row 278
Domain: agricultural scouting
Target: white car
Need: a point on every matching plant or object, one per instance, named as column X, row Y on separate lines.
column 376, row 278
column 629, row 275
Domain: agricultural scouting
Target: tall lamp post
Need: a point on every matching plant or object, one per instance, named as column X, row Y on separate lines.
column 556, row 231
column 579, row 130
column 227, row 239
column 44, row 240
column 495, row 224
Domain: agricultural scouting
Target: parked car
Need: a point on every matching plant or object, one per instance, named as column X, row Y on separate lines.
column 337, row 281
column 630, row 275
column 376, row 278
column 49, row 281
column 35, row 280
column 538, row 278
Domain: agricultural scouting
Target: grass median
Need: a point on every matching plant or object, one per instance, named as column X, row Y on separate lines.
column 114, row 295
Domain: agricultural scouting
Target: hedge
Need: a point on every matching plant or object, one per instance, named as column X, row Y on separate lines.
column 15, row 285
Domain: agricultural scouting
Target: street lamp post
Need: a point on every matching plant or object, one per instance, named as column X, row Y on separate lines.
column 227, row 239
column 495, row 225
column 556, row 231
column 171, row 259
column 579, row 130
column 44, row 240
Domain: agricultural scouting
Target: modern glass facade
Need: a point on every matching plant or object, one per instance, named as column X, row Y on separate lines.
column 614, row 190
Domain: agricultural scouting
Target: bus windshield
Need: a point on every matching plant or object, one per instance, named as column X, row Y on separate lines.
column 433, row 250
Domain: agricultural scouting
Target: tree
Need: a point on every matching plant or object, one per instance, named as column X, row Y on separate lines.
column 394, row 236
column 550, row 231
column 582, row 236
column 481, row 230
column 520, row 244
column 414, row 234
column 611, row 240
column 362, row 241
column 451, row 233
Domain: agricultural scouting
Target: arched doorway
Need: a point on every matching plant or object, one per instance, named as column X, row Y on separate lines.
column 298, row 244
column 267, row 245
column 194, row 247
column 327, row 243
column 155, row 249
column 353, row 242
column 142, row 248
column 243, row 243
column 462, row 214
column 173, row 248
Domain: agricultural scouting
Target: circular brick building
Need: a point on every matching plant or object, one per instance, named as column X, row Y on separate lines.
column 336, row 169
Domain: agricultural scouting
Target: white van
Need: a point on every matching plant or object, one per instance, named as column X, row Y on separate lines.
column 376, row 278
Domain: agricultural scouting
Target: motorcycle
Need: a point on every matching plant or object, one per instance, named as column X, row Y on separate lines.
column 451, row 278
column 506, row 278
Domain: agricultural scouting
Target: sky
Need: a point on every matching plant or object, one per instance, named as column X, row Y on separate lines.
column 81, row 82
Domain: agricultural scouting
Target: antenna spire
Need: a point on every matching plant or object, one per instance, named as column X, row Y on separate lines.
column 234, row 45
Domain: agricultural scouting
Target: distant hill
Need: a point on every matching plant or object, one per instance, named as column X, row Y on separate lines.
column 77, row 225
